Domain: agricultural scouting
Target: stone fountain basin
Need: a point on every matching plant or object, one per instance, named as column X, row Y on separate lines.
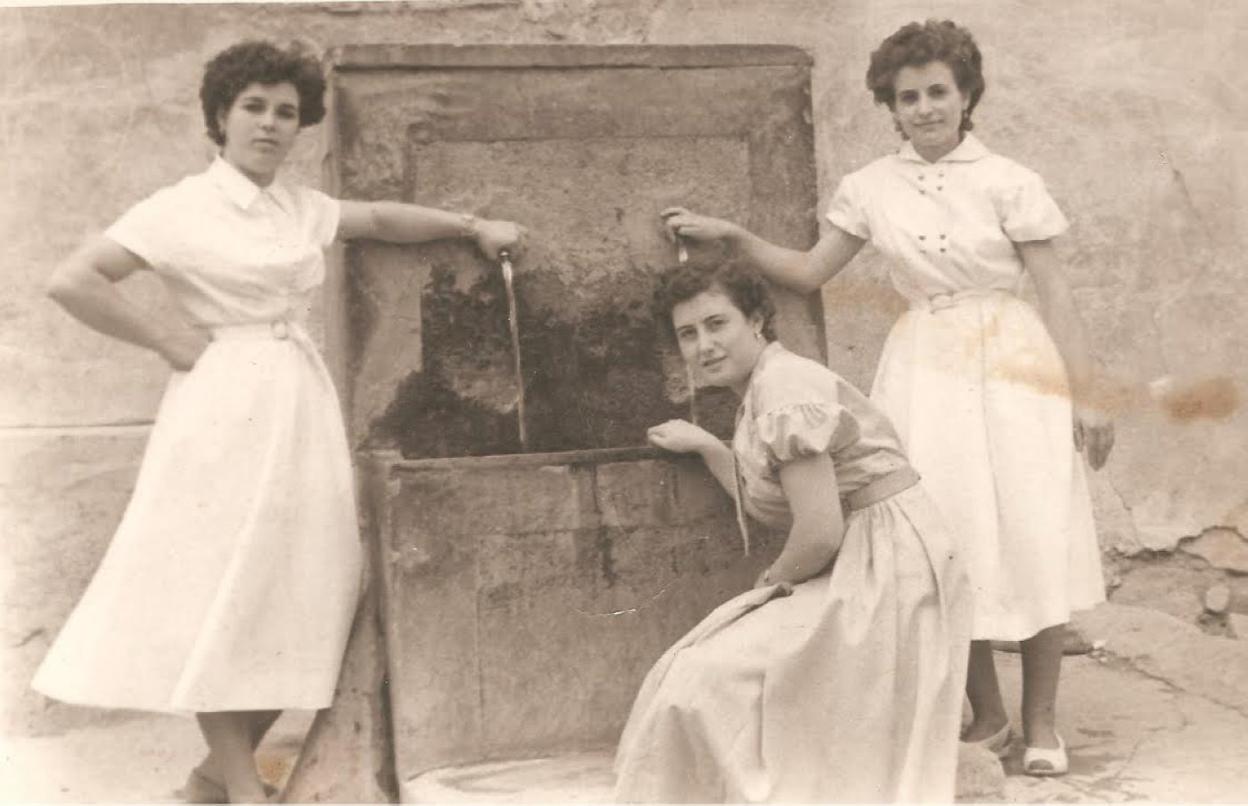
column 525, row 596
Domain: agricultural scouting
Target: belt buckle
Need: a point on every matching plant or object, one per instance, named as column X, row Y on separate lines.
column 281, row 330
column 942, row 301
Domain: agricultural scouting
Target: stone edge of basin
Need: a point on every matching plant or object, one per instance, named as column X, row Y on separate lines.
column 583, row 775
column 396, row 56
column 394, row 462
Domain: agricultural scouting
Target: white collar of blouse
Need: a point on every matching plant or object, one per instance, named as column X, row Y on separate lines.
column 969, row 150
column 772, row 349
column 241, row 190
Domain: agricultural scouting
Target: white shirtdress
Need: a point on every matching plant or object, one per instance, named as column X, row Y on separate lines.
column 973, row 382
column 233, row 577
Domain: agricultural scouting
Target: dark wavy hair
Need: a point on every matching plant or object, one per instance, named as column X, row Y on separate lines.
column 741, row 284
column 915, row 45
column 258, row 62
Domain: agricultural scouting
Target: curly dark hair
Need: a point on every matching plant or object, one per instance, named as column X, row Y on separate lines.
column 259, row 62
column 915, row 45
column 741, row 284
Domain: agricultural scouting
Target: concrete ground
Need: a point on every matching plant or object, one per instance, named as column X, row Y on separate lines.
column 141, row 760
column 1159, row 714
column 1134, row 737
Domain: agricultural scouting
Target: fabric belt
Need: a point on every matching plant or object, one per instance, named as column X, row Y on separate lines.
column 885, row 487
column 940, row 302
column 881, row 489
column 279, row 329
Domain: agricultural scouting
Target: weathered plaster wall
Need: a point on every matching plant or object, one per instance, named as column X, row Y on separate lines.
column 1131, row 111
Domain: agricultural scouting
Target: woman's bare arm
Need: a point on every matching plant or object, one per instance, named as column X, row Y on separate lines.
column 1094, row 433
column 818, row 524
column 84, row 284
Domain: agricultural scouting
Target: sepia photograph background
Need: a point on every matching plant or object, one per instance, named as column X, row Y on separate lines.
column 1133, row 111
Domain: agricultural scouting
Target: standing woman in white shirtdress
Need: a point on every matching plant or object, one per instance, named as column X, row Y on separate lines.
column 230, row 586
column 991, row 398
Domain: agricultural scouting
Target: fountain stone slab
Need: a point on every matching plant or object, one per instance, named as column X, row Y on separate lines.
column 584, row 147
column 525, row 590
column 520, row 621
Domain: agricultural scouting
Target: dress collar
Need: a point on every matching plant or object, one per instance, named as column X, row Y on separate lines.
column 969, row 150
column 765, row 355
column 241, row 190
column 771, row 350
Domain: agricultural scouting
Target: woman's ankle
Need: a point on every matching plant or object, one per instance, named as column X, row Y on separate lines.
column 1040, row 731
column 208, row 768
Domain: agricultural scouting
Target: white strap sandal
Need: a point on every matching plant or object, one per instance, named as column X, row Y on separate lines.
column 1046, row 761
column 998, row 743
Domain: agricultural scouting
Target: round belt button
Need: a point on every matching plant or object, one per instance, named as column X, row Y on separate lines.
column 280, row 329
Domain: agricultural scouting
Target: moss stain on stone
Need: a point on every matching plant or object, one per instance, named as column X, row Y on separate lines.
column 592, row 371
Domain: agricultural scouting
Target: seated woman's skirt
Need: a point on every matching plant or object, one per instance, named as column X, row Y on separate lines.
column 849, row 688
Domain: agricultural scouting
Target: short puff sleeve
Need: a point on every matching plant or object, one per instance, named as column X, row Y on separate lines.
column 847, row 210
column 324, row 213
column 1028, row 212
column 798, row 430
column 145, row 228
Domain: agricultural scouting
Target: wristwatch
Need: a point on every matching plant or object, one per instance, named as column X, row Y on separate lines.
column 470, row 224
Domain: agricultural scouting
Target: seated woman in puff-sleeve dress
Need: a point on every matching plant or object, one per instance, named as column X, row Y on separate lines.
column 839, row 676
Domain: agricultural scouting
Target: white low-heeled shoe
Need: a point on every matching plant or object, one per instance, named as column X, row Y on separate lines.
column 998, row 743
column 202, row 788
column 1046, row 761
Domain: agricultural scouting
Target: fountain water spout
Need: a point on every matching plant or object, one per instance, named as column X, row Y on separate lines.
column 682, row 257
column 513, row 325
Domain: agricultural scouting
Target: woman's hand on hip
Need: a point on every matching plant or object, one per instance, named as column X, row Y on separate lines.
column 1094, row 436
column 495, row 236
column 680, row 436
column 677, row 221
column 183, row 349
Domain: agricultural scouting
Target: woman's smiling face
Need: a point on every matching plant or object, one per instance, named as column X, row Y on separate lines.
column 928, row 106
column 720, row 342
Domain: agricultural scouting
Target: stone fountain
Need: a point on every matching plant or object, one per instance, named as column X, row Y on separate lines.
column 517, row 597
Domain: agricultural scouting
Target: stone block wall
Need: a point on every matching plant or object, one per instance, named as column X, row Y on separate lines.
column 61, row 491
column 1130, row 111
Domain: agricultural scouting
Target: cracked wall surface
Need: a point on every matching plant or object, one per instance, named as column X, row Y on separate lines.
column 1131, row 112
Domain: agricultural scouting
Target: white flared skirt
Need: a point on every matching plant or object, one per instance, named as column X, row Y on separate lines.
column 979, row 396
column 848, row 689
column 233, row 577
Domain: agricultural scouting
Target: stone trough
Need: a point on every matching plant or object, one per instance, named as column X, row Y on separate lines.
column 524, row 597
